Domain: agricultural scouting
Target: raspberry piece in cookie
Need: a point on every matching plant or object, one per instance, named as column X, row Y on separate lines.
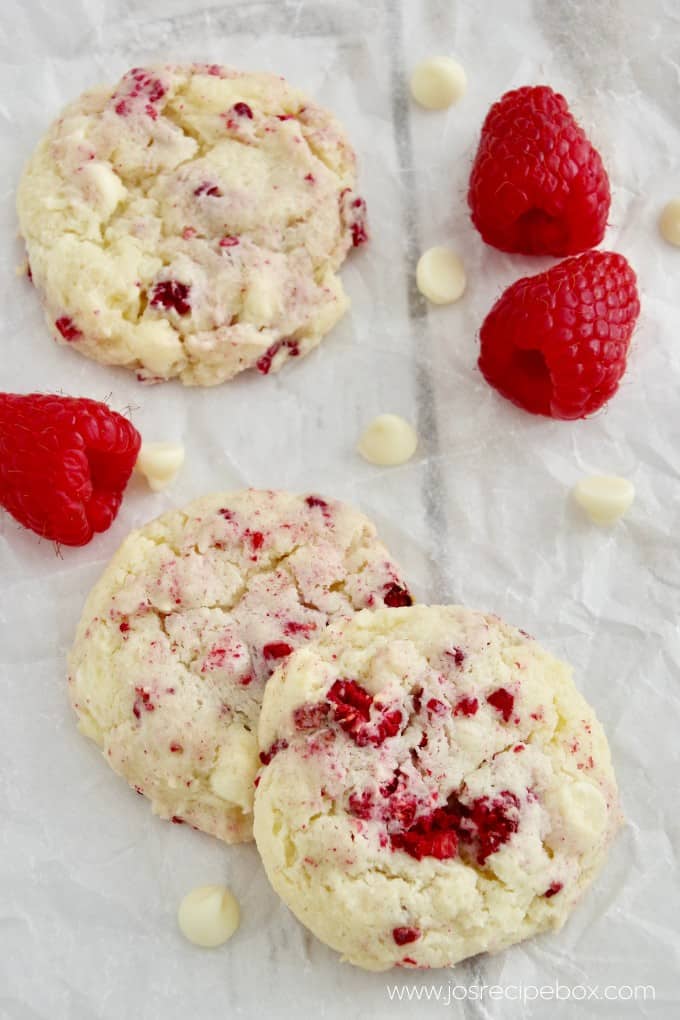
column 193, row 615
column 439, row 834
column 190, row 222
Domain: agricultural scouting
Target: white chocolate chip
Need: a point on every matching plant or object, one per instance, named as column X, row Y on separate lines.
column 669, row 222
column 388, row 440
column 584, row 813
column 103, row 187
column 262, row 300
column 236, row 767
column 604, row 497
column 159, row 463
column 208, row 916
column 440, row 275
column 438, row 82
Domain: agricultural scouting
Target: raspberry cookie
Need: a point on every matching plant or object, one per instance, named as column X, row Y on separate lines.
column 434, row 787
column 193, row 614
column 189, row 222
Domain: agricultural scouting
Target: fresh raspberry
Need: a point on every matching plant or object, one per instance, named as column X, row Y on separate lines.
column 64, row 464
column 556, row 343
column 537, row 184
column 402, row 936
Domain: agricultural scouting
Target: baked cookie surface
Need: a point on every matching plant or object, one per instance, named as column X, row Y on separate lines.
column 434, row 787
column 189, row 222
column 192, row 615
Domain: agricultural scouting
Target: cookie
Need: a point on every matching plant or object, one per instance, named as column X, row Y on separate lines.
column 190, row 221
column 434, row 787
column 194, row 612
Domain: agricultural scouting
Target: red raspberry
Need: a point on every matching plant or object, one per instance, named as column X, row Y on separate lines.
column 278, row 745
column 433, row 835
column 537, row 184
column 138, row 90
column 64, row 464
column 277, row 650
column 352, row 705
column 395, row 595
column 503, row 701
column 172, row 295
column 206, row 188
column 556, row 343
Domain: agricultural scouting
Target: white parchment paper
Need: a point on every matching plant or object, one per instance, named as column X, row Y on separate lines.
column 89, row 880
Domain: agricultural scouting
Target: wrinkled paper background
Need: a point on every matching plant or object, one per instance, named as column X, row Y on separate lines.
column 90, row 881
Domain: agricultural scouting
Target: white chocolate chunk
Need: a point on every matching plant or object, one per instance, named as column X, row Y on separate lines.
column 388, row 440
column 208, row 916
column 605, row 498
column 103, row 187
column 669, row 222
column 584, row 814
column 262, row 301
column 440, row 275
column 159, row 463
column 238, row 761
column 438, row 82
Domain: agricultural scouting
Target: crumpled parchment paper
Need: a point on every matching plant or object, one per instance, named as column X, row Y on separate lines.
column 89, row 880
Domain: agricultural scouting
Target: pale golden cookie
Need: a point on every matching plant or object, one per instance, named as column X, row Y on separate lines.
column 190, row 221
column 434, row 787
column 192, row 615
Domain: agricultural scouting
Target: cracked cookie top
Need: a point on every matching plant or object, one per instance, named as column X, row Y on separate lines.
column 189, row 222
column 195, row 611
column 433, row 786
